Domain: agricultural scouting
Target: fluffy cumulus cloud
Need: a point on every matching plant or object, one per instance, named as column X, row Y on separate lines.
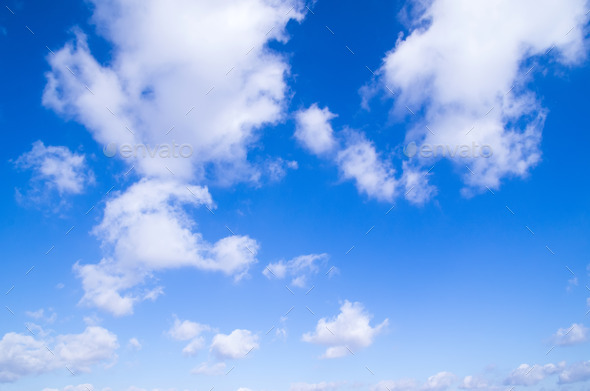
column 197, row 104
column 298, row 269
column 168, row 85
column 235, row 345
column 187, row 330
column 527, row 375
column 462, row 72
column 350, row 329
column 144, row 230
column 23, row 355
column 356, row 156
column 573, row 335
column 55, row 168
column 314, row 130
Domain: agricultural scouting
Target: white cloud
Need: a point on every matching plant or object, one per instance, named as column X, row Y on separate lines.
column 573, row 335
column 575, row 373
column 298, row 268
column 372, row 175
column 55, row 168
column 208, row 369
column 527, row 375
column 244, row 389
column 440, row 381
column 22, row 355
column 322, row 386
column 350, row 329
column 237, row 344
column 186, row 329
column 313, row 129
column 79, row 387
column 396, row 385
column 134, row 344
column 472, row 383
column 144, row 230
column 358, row 160
column 214, row 95
column 456, row 66
column 165, row 74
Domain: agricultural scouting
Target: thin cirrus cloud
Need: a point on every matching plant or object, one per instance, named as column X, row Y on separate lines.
column 463, row 69
column 346, row 332
column 23, row 355
column 213, row 95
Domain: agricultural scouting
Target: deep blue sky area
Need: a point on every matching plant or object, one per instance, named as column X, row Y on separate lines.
column 458, row 291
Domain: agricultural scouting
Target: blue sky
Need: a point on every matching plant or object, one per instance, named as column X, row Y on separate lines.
column 310, row 240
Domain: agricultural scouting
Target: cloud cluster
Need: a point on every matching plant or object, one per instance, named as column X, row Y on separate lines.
column 235, row 345
column 22, row 355
column 350, row 329
column 167, row 85
column 146, row 229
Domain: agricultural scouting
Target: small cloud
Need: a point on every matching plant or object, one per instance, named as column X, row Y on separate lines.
column 571, row 283
column 187, row 330
column 472, row 383
column 313, row 129
column 348, row 331
column 298, row 268
column 322, row 386
column 235, row 345
column 440, row 381
column 134, row 344
column 573, row 335
column 211, row 370
column 55, row 168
